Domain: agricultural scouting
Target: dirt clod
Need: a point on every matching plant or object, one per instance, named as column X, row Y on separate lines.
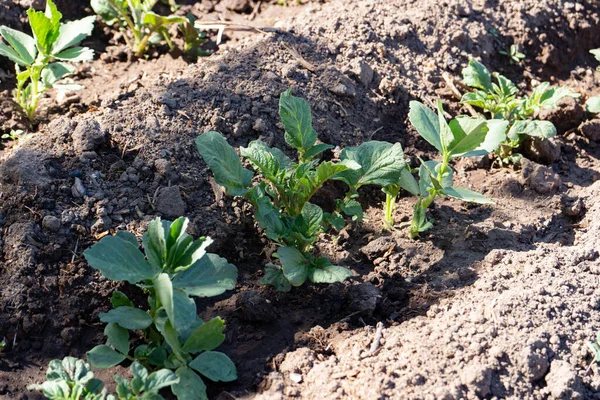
column 591, row 129
column 563, row 383
column 477, row 379
column 538, row 177
column 170, row 203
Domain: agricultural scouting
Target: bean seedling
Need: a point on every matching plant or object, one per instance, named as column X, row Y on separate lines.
column 46, row 58
column 175, row 268
column 142, row 26
column 281, row 198
column 501, row 102
column 514, row 54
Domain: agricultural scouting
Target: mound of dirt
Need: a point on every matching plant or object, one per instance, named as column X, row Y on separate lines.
column 495, row 301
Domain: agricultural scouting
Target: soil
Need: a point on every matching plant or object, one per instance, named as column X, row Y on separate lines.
column 496, row 301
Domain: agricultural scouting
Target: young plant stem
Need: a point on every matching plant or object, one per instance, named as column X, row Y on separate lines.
column 390, row 201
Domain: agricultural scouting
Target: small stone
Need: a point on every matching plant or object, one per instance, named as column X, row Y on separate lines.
column 239, row 6
column 169, row 202
column 51, row 223
column 88, row 136
column 538, row 177
column 259, row 125
column 591, row 129
column 295, row 377
column 78, row 190
column 542, row 151
column 534, row 360
column 253, row 307
column 363, row 72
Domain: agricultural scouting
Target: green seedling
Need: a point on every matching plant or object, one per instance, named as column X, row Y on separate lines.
column 14, row 134
column 501, row 102
column 72, row 379
column 462, row 137
column 2, row 344
column 47, row 57
column 143, row 27
column 592, row 105
column 595, row 349
column 175, row 268
column 514, row 54
column 282, row 195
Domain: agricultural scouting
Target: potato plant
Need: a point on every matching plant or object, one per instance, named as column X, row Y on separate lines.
column 174, row 269
column 462, row 137
column 142, row 26
column 47, row 57
column 72, row 379
column 282, row 195
column 500, row 100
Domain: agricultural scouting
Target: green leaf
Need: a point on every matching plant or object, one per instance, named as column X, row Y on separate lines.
column 381, row 163
column 274, row 276
column 262, row 157
column 104, row 10
column 23, row 44
column 352, row 208
column 297, row 121
column 45, row 26
column 533, row 128
column 104, row 357
column 207, row 336
column 328, row 170
column 55, row 72
column 477, row 99
column 316, row 150
column 266, row 214
column 224, row 163
column 12, row 55
column 209, row 276
column 550, row 97
column 127, row 317
column 313, row 216
column 190, row 386
column 426, row 123
column 117, row 337
column 75, row 54
column 185, row 310
column 470, row 133
column 446, row 134
column 120, row 260
column 336, row 220
column 215, row 366
column 155, row 243
column 408, row 182
column 156, row 20
column 294, row 264
column 592, row 105
column 73, row 33
column 119, row 299
column 164, row 292
column 506, row 86
column 160, row 379
column 329, row 274
column 467, row 195
column 476, row 75
column 170, row 335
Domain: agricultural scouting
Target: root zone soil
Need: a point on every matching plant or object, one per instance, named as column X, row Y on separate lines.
column 496, row 301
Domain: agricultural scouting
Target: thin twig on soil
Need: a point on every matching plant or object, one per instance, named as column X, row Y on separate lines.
column 299, row 58
column 255, row 10
column 75, row 251
column 457, row 93
column 376, row 340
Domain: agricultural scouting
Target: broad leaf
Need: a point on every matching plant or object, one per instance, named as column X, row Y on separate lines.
column 316, row 150
column 470, row 133
column 328, row 170
column 533, row 128
column 329, row 274
column 155, row 243
column 127, row 317
column 23, row 44
column 446, row 134
column 104, row 10
column 313, row 217
column 12, row 55
column 274, row 276
column 117, row 337
column 73, row 32
column 209, row 276
column 207, row 336
column 75, row 54
column 104, row 357
column 160, row 379
column 120, row 260
column 215, row 366
column 263, row 158
column 381, row 163
column 294, row 264
column 476, row 75
column 426, row 122
column 224, row 163
column 190, row 386
column 45, row 26
column 408, row 182
column 119, row 299
column 297, row 121
column 467, row 195
column 55, row 72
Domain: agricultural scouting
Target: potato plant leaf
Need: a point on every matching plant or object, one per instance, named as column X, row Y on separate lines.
column 476, row 75
column 297, row 121
column 190, row 386
column 294, row 265
column 215, row 365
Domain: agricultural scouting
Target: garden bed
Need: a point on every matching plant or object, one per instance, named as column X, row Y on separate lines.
column 495, row 301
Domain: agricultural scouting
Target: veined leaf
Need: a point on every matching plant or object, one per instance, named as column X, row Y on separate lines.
column 75, row 54
column 215, row 366
column 190, row 386
column 469, row 133
column 426, row 122
column 316, row 150
column 263, row 158
column 533, row 128
column 467, row 195
column 476, row 75
column 128, row 317
column 329, row 274
column 297, row 120
column 207, row 277
column 158, row 380
column 55, row 72
column 381, row 163
column 23, row 44
column 274, row 276
column 496, row 134
column 207, row 336
column 328, row 170
column 224, row 163
column 12, row 55
column 120, row 260
column 45, row 26
column 313, row 217
column 103, row 356
column 117, row 337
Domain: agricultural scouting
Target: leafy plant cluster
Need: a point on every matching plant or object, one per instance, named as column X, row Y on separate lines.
column 281, row 195
column 176, row 344
column 47, row 57
column 72, row 379
column 500, row 100
column 142, row 26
